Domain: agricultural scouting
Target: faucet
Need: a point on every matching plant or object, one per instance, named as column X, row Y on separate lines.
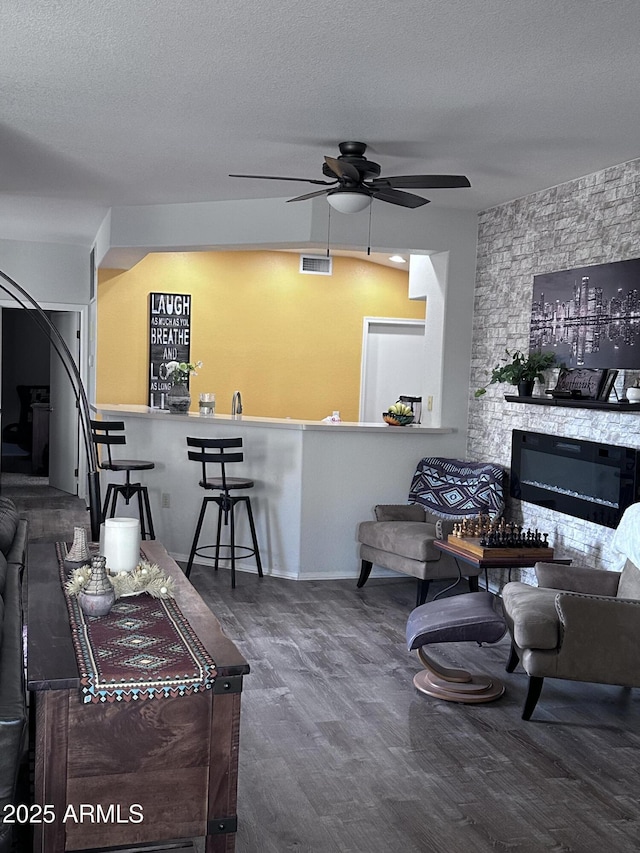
column 236, row 405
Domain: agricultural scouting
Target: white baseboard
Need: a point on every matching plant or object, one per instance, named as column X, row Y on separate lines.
column 250, row 568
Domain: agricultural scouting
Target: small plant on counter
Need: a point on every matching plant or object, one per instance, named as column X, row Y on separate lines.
column 178, row 372
column 520, row 368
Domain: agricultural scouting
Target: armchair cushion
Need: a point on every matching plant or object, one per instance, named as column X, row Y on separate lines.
column 629, row 585
column 412, row 539
column 531, row 611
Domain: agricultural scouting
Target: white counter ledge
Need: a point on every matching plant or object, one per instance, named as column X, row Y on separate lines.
column 275, row 423
column 314, row 481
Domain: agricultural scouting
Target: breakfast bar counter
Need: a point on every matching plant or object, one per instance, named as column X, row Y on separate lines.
column 314, row 481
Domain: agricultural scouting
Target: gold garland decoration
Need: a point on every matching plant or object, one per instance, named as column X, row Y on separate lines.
column 146, row 577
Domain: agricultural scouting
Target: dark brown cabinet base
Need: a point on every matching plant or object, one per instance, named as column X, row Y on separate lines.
column 133, row 772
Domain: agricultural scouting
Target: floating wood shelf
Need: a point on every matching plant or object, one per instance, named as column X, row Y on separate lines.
column 575, row 403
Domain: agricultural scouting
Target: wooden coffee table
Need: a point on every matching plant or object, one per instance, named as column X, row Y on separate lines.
column 524, row 559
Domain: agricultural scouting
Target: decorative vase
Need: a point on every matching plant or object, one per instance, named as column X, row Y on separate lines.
column 98, row 596
column 633, row 395
column 179, row 398
column 78, row 555
column 525, row 387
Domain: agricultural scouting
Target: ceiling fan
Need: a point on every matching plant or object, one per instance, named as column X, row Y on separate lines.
column 355, row 181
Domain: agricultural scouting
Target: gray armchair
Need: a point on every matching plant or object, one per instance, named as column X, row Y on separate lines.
column 442, row 492
column 580, row 624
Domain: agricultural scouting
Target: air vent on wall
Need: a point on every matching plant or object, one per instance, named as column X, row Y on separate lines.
column 315, row 264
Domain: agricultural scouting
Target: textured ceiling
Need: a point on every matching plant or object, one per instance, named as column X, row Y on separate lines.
column 107, row 102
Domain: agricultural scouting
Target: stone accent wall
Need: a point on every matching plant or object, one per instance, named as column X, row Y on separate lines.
column 592, row 220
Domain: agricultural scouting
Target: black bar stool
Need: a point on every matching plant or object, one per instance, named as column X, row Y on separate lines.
column 216, row 450
column 108, row 433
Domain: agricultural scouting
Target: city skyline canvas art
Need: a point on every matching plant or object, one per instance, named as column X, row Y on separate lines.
column 589, row 316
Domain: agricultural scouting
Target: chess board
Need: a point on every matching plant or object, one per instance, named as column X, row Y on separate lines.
column 473, row 546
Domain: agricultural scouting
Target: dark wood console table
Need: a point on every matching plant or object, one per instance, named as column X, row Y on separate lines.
column 172, row 760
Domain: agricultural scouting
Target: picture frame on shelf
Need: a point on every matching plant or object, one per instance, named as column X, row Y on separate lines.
column 584, row 383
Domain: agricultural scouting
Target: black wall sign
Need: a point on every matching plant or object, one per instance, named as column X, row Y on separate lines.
column 169, row 340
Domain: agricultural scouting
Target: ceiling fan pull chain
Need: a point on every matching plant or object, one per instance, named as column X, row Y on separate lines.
column 369, row 236
column 329, row 231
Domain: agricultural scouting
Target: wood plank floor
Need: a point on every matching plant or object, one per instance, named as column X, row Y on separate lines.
column 339, row 752
column 49, row 511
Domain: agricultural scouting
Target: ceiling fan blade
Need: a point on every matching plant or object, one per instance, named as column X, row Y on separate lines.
column 396, row 197
column 416, row 182
column 276, row 178
column 308, row 195
column 342, row 169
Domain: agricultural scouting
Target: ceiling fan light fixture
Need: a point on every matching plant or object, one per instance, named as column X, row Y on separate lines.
column 355, row 181
column 349, row 201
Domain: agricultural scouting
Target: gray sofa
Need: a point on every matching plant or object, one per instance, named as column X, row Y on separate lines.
column 13, row 711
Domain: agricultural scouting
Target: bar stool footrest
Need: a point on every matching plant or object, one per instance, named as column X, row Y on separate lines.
column 248, row 551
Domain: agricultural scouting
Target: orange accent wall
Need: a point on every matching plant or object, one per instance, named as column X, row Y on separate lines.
column 291, row 343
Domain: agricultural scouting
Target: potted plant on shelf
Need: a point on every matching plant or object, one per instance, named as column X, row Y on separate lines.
column 521, row 370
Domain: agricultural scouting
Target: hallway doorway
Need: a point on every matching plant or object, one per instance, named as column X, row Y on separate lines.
column 39, row 418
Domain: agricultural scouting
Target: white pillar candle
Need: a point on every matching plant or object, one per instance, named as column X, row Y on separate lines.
column 121, row 543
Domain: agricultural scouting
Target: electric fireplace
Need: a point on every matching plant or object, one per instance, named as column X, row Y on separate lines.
column 584, row 479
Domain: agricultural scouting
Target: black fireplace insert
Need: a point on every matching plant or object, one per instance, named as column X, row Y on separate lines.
column 584, row 479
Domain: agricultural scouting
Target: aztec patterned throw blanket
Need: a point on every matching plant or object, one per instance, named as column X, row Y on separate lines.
column 455, row 489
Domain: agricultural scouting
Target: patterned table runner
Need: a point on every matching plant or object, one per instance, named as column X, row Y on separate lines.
column 143, row 649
